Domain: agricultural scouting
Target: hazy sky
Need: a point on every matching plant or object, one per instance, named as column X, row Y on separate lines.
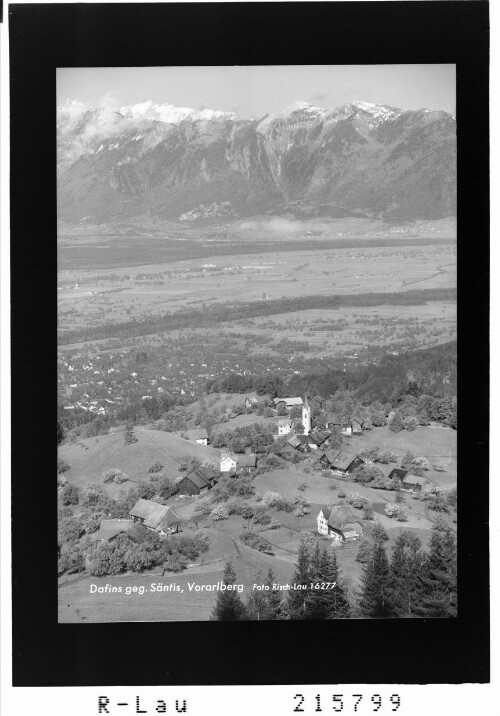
column 255, row 91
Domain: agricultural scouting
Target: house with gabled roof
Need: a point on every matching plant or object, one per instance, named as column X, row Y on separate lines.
column 356, row 424
column 336, row 421
column 110, row 529
column 159, row 518
column 246, row 463
column 288, row 402
column 196, row 482
column 414, row 483
column 338, row 523
column 228, row 461
column 398, row 473
column 344, row 462
column 317, row 438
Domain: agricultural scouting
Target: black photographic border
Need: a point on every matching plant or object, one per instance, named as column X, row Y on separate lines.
column 44, row 37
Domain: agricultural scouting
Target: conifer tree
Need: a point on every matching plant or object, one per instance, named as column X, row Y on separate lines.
column 275, row 602
column 375, row 584
column 334, row 601
column 299, row 598
column 438, row 580
column 228, row 606
column 405, row 571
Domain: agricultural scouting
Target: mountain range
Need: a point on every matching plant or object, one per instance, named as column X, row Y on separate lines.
column 360, row 159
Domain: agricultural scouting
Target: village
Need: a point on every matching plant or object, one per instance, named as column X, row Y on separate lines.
column 335, row 478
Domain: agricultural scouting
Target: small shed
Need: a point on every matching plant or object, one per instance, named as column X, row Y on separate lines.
column 198, row 435
column 413, row 483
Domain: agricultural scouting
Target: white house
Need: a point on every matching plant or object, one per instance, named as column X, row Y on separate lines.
column 228, row 462
column 284, row 426
column 339, row 524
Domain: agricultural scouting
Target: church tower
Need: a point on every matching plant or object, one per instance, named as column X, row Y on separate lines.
column 306, row 417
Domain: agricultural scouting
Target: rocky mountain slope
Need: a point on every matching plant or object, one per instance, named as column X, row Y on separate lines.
column 174, row 163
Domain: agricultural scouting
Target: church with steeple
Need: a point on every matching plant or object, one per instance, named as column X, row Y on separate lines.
column 306, row 416
column 309, row 439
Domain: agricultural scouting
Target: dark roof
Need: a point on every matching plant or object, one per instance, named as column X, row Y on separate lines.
column 202, row 473
column 399, row 472
column 319, row 436
column 341, row 459
column 111, row 528
column 294, row 441
column 357, row 419
column 197, row 479
column 138, row 533
column 247, row 460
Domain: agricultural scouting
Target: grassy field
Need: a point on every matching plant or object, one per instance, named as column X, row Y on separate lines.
column 89, row 297
column 89, row 458
column 77, row 604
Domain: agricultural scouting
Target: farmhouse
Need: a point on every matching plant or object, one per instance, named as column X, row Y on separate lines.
column 251, row 402
column 356, row 425
column 397, row 473
column 335, row 421
column 339, row 524
column 160, row 518
column 228, row 462
column 414, row 483
column 318, row 438
column 197, row 435
column 246, row 463
column 288, row 402
column 343, row 462
column 196, row 482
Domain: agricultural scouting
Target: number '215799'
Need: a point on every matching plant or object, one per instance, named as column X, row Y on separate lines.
column 351, row 702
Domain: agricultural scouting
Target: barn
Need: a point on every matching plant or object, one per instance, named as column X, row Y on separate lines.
column 153, row 516
column 413, row 483
column 196, row 482
column 343, row 462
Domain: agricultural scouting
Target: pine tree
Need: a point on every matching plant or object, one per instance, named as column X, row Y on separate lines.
column 375, row 581
column 334, row 601
column 405, row 571
column 299, row 598
column 228, row 606
column 275, row 602
column 438, row 580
